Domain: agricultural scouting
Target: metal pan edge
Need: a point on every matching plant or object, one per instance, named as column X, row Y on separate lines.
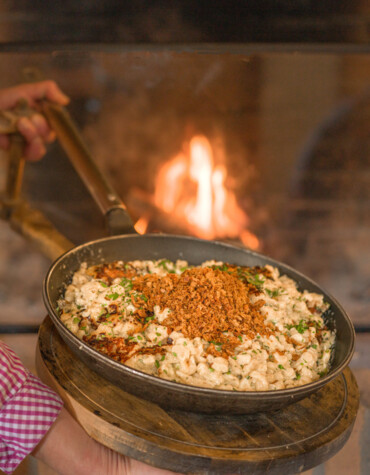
column 171, row 394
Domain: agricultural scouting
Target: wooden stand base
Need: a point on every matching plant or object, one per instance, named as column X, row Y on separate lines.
column 287, row 441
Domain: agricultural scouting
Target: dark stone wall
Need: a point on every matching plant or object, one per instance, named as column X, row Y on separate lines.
column 163, row 22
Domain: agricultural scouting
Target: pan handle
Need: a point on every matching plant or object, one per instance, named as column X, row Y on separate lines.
column 117, row 218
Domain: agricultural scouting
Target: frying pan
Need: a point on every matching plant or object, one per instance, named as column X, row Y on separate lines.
column 126, row 244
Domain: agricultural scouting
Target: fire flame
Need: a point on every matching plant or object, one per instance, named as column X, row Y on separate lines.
column 192, row 188
column 141, row 225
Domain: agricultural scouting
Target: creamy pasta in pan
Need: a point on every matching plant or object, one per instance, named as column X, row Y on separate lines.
column 215, row 325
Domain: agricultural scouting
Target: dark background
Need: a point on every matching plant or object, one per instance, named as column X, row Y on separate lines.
column 190, row 22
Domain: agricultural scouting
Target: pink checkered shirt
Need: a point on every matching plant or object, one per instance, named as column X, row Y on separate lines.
column 27, row 410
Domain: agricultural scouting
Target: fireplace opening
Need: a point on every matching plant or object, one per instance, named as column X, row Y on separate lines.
column 268, row 151
column 193, row 195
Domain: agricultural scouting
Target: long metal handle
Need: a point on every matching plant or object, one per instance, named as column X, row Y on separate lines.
column 24, row 219
column 15, row 169
column 117, row 218
column 8, row 126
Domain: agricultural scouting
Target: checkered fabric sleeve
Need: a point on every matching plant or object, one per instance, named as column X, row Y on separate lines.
column 27, row 410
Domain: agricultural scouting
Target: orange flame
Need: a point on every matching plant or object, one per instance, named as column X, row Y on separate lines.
column 192, row 188
column 141, row 225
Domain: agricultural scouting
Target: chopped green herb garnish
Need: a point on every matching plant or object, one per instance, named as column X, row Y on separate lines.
column 164, row 264
column 301, row 327
column 223, row 268
column 272, row 293
column 113, row 296
column 253, row 279
column 126, row 283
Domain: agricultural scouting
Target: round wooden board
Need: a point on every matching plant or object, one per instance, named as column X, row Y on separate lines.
column 290, row 440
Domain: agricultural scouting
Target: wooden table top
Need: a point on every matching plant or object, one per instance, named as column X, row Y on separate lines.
column 290, row 440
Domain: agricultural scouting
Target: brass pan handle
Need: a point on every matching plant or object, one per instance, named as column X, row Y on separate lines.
column 16, row 168
column 23, row 218
column 117, row 218
column 8, row 126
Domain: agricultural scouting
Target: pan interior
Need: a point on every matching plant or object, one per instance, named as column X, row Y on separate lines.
column 195, row 251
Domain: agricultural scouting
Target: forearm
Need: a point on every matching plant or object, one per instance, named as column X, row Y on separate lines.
column 27, row 410
column 32, row 420
column 67, row 449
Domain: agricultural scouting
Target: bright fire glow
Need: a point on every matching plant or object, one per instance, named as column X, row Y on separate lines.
column 192, row 188
column 141, row 225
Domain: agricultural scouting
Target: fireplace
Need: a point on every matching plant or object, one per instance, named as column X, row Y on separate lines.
column 266, row 150
column 245, row 127
column 212, row 128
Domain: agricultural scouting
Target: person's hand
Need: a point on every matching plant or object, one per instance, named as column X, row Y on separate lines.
column 35, row 129
column 67, row 449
